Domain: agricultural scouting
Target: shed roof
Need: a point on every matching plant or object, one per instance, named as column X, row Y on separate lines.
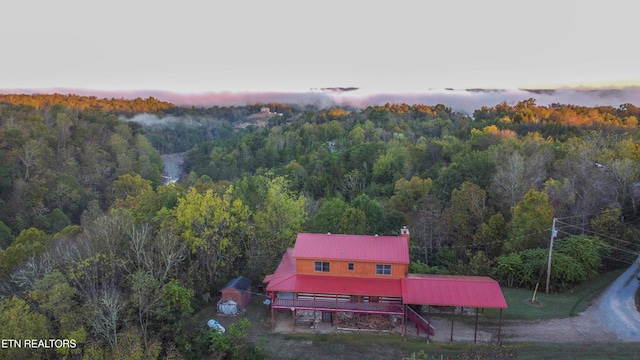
column 450, row 290
column 240, row 283
column 389, row 249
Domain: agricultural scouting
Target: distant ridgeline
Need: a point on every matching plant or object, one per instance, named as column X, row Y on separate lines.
column 121, row 106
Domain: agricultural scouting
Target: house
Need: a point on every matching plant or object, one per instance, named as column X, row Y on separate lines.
column 365, row 274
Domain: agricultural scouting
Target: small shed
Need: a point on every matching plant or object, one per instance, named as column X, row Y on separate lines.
column 238, row 290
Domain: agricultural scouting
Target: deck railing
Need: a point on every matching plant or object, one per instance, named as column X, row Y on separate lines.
column 346, row 306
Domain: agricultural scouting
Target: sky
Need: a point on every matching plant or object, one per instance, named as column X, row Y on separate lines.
column 195, row 47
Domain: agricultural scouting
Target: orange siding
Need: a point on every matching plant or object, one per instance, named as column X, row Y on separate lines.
column 341, row 268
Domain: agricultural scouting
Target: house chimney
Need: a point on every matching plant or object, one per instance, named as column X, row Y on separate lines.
column 404, row 232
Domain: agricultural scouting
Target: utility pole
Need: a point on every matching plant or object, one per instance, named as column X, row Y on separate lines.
column 554, row 233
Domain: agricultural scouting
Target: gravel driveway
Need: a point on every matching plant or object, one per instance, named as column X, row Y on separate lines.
column 613, row 317
column 617, row 306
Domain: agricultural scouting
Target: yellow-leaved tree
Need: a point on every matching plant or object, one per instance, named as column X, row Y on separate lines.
column 207, row 223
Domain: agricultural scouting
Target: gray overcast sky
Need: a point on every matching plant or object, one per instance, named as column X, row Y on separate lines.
column 292, row 45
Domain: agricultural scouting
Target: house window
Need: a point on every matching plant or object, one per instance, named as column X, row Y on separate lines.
column 383, row 269
column 322, row 266
column 350, row 266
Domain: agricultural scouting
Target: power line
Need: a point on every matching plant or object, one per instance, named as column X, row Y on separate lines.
column 598, row 234
column 620, row 260
column 554, row 233
column 575, row 216
column 624, row 211
column 606, row 245
column 500, row 241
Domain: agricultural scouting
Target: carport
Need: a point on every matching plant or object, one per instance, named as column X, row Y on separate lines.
column 478, row 292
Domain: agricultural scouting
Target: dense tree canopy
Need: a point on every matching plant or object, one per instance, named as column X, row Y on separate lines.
column 95, row 246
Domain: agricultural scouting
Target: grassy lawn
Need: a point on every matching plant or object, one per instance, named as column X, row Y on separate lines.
column 595, row 351
column 551, row 306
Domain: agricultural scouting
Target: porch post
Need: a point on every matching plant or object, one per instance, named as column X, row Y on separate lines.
column 294, row 318
column 314, row 313
column 404, row 321
column 429, row 321
column 475, row 332
column 500, row 327
column 453, row 312
column 273, row 319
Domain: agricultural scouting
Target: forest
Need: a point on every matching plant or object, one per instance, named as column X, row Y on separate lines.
column 95, row 246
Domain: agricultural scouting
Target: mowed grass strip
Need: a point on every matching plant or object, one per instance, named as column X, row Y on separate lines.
column 553, row 306
column 594, row 351
column 393, row 346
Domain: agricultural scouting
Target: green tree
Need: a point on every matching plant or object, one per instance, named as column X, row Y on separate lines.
column 491, row 236
column 208, row 224
column 149, row 161
column 279, row 215
column 407, row 194
column 230, row 344
column 479, row 264
column 353, row 221
column 30, row 242
column 58, row 300
column 6, row 237
column 57, row 221
column 466, row 213
column 373, row 212
column 508, row 269
column 144, row 297
column 130, row 185
column 328, row 217
column 122, row 152
column 175, row 307
column 475, row 166
column 532, row 217
column 385, row 169
column 587, row 250
column 19, row 322
column 619, row 239
column 560, row 194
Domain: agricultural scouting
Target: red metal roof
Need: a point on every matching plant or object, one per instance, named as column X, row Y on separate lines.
column 450, row 290
column 285, row 269
column 389, row 249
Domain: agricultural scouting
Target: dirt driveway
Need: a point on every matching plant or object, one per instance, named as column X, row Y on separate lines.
column 584, row 328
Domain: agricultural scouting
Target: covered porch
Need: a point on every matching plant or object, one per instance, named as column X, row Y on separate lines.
column 338, row 304
column 479, row 292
